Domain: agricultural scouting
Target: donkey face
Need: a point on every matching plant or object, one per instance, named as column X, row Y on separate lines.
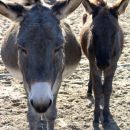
column 41, row 56
column 40, row 43
column 105, row 36
column 105, row 29
column 40, row 47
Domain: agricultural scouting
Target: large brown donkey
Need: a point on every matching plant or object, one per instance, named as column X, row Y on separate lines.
column 102, row 42
column 41, row 50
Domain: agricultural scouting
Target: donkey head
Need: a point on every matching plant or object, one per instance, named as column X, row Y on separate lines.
column 105, row 30
column 40, row 46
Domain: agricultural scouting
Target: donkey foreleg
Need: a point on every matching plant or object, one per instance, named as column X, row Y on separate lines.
column 33, row 118
column 89, row 92
column 97, row 87
column 107, row 90
column 51, row 115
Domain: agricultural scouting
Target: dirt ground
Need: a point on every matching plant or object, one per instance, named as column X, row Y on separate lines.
column 75, row 112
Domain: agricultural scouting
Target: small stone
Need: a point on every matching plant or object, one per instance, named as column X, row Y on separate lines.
column 128, row 100
column 89, row 103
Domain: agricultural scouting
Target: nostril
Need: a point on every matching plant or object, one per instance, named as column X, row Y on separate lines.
column 50, row 103
column 31, row 101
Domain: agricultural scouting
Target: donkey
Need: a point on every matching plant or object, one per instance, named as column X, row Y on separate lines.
column 40, row 51
column 102, row 43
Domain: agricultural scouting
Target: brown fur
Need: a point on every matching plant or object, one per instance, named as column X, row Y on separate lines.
column 102, row 43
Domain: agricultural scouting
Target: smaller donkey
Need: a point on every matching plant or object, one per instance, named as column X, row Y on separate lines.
column 102, row 42
column 40, row 50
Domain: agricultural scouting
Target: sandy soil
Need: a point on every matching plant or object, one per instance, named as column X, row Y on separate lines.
column 75, row 112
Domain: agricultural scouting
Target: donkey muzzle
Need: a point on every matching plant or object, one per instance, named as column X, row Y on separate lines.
column 102, row 65
column 41, row 96
column 41, row 108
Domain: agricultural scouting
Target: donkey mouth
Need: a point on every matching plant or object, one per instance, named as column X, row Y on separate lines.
column 41, row 108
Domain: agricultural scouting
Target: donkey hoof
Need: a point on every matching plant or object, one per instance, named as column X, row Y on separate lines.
column 107, row 122
column 107, row 117
column 96, row 126
column 106, row 125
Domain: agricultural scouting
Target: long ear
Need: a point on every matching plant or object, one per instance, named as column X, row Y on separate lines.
column 12, row 11
column 63, row 8
column 120, row 6
column 89, row 6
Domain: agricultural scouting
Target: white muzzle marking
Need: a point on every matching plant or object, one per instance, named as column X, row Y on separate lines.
column 41, row 93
